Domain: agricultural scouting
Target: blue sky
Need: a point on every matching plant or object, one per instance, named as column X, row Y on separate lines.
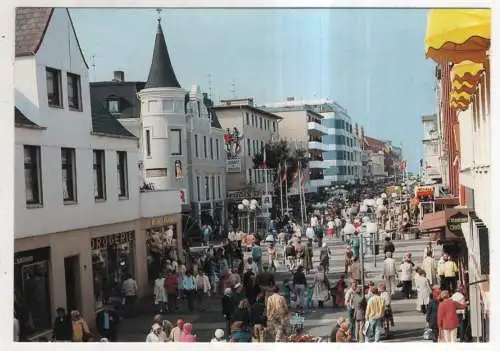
column 371, row 61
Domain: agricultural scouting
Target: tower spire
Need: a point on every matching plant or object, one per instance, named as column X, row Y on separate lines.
column 161, row 73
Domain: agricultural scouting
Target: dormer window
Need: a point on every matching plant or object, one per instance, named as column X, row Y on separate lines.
column 114, row 106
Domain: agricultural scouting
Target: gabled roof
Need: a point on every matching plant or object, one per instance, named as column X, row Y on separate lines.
column 105, row 124
column 20, row 120
column 31, row 26
column 161, row 73
column 125, row 92
column 374, row 144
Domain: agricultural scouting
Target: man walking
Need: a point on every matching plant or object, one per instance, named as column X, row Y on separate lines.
column 349, row 303
column 375, row 311
column 389, row 274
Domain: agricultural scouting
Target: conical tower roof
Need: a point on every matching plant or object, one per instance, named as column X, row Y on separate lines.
column 161, row 73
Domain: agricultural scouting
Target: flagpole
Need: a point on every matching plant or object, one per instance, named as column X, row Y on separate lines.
column 281, row 189
column 286, row 187
column 267, row 190
column 301, row 194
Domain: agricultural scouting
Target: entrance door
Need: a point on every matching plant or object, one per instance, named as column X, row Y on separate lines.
column 72, row 275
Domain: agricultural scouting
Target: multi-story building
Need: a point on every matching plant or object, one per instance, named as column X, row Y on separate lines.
column 251, row 128
column 341, row 147
column 80, row 218
column 430, row 168
column 303, row 129
column 181, row 141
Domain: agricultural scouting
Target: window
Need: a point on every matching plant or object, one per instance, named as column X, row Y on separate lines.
column 219, row 187
column 250, row 176
column 74, row 91
column 54, row 92
column 217, row 148
column 114, row 107
column 167, row 105
column 255, row 147
column 248, row 118
column 260, row 122
column 213, row 187
column 207, row 189
column 121, row 166
column 198, row 187
column 248, row 147
column 175, row 142
column 196, row 145
column 261, row 146
column 205, row 146
column 199, row 108
column 99, row 175
column 211, row 148
column 151, row 105
column 148, row 142
column 32, row 175
column 274, row 126
column 68, row 168
column 253, row 120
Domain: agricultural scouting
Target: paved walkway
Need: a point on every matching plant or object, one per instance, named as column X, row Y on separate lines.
column 409, row 322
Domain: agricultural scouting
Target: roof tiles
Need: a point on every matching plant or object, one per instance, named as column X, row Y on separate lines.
column 31, row 24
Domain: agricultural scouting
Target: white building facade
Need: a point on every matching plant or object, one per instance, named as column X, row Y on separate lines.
column 342, row 154
column 430, row 165
column 79, row 215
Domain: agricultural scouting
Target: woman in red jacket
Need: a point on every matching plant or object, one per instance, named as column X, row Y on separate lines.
column 447, row 317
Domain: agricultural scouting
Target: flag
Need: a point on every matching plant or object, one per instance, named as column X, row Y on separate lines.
column 403, row 164
column 305, row 177
column 283, row 174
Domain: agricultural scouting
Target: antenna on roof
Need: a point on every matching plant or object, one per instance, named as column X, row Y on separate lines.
column 233, row 89
column 158, row 11
column 210, row 86
column 92, row 67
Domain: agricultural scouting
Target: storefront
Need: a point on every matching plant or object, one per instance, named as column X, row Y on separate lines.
column 113, row 259
column 163, row 243
column 32, row 291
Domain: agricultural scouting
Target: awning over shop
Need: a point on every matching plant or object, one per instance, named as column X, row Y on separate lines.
column 449, row 220
column 456, row 35
column 467, row 71
column 463, row 87
column 447, row 201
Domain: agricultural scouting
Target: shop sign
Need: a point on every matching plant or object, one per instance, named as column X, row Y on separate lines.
column 233, row 165
column 244, row 194
column 425, row 191
column 30, row 256
column 112, row 240
column 170, row 219
column 454, row 223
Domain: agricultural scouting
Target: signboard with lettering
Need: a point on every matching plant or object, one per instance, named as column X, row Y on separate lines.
column 425, row 191
column 244, row 194
column 233, row 165
column 32, row 256
column 112, row 240
column 454, row 223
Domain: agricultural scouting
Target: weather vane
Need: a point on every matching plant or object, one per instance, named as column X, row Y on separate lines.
column 158, row 10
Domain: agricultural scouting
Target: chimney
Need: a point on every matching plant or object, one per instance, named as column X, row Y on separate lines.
column 118, row 76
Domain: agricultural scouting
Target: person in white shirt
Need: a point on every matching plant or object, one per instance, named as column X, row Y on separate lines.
column 202, row 289
column 155, row 334
column 219, row 336
column 331, row 228
column 314, row 221
column 406, row 271
column 231, row 236
column 251, row 266
column 310, row 232
column 129, row 290
column 160, row 294
column 389, row 273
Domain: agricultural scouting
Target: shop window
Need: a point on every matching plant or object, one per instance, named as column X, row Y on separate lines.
column 274, row 127
column 260, row 122
column 32, row 291
column 68, row 167
column 32, row 175
column 161, row 241
column 112, row 262
column 248, row 118
column 148, row 142
column 213, row 187
column 249, row 147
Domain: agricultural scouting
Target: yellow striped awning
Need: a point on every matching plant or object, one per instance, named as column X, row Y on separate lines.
column 463, row 86
column 460, row 96
column 459, row 106
column 456, row 35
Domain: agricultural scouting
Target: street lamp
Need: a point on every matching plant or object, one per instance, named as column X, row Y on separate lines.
column 248, row 207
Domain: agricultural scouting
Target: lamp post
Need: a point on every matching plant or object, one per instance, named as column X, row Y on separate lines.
column 248, row 207
column 371, row 228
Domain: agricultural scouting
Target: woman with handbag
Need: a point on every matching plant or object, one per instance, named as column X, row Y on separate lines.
column 81, row 332
column 321, row 287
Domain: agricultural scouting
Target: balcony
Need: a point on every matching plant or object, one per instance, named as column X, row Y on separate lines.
column 315, row 145
column 155, row 203
column 316, row 129
column 318, row 164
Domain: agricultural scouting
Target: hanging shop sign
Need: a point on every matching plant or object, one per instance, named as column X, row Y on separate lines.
column 233, row 165
column 232, row 141
column 421, row 191
column 112, row 240
column 454, row 223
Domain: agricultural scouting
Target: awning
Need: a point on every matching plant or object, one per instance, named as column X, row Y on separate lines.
column 464, row 86
column 447, row 201
column 460, row 96
column 455, row 35
column 448, row 220
column 464, row 69
column 459, row 105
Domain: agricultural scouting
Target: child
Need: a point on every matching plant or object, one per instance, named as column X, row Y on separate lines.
column 310, row 291
column 287, row 291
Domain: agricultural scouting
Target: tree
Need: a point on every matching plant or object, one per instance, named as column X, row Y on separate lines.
column 279, row 153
